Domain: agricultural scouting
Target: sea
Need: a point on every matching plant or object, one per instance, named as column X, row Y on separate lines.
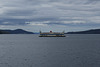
column 30, row 50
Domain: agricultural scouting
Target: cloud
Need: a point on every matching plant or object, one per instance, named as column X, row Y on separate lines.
column 50, row 12
column 37, row 23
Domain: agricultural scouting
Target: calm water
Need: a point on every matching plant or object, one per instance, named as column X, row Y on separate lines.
column 33, row 51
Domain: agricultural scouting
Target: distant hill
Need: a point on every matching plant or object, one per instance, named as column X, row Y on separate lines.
column 93, row 31
column 17, row 31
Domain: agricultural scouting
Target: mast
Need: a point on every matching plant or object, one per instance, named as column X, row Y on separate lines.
column 63, row 32
column 40, row 31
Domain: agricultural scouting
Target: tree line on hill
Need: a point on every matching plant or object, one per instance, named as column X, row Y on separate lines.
column 17, row 31
column 92, row 31
column 21, row 31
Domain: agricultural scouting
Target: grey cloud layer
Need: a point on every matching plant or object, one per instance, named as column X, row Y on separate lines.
column 61, row 12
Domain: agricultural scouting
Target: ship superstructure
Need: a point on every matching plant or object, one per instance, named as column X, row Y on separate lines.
column 51, row 34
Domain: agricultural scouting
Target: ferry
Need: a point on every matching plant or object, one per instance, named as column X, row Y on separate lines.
column 52, row 34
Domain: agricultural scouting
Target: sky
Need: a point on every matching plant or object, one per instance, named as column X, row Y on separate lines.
column 46, row 15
